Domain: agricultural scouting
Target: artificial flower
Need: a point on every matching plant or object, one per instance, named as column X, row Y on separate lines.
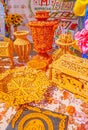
column 82, row 38
column 13, row 19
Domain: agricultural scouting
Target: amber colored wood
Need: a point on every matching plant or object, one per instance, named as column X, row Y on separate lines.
column 43, row 34
column 11, row 53
column 50, row 72
column 15, row 29
column 39, row 65
column 22, row 45
column 65, row 46
column 75, row 46
column 10, row 49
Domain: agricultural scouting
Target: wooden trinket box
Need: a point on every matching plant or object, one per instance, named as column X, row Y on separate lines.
column 71, row 73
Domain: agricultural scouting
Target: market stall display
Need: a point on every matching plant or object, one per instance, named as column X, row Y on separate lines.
column 50, row 90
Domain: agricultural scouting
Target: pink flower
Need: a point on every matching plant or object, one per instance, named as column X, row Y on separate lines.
column 84, row 32
column 77, row 35
column 84, row 49
column 82, row 38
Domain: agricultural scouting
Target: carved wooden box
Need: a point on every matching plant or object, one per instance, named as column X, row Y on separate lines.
column 71, row 73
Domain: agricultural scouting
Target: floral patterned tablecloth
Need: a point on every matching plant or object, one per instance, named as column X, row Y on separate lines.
column 60, row 101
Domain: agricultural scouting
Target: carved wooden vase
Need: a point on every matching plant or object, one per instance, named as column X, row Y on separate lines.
column 22, row 45
column 43, row 34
